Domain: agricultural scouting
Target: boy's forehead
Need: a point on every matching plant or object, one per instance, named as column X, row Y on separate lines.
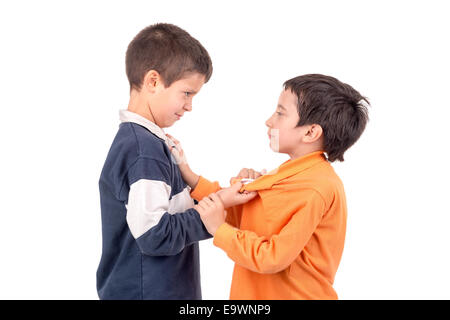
column 287, row 99
column 193, row 79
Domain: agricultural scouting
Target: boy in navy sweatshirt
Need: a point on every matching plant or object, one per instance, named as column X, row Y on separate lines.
column 150, row 225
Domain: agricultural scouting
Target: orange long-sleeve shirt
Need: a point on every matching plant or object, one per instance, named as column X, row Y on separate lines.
column 287, row 242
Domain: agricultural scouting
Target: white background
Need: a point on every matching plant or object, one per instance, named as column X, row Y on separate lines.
column 62, row 82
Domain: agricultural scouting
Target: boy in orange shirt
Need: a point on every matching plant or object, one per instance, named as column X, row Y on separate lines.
column 287, row 242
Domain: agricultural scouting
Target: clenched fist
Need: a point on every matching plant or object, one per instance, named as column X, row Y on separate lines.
column 212, row 212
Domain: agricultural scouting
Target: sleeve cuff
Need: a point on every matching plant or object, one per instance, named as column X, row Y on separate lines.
column 204, row 188
column 224, row 236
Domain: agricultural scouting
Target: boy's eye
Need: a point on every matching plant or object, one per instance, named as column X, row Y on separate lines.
column 278, row 113
column 187, row 94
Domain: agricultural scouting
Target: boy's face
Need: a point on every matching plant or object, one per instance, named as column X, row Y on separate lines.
column 285, row 136
column 169, row 104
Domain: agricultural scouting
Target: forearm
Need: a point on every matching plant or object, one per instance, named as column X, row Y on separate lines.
column 272, row 253
column 257, row 253
column 173, row 233
column 189, row 176
column 203, row 188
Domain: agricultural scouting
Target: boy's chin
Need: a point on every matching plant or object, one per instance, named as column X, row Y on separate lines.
column 275, row 147
column 167, row 124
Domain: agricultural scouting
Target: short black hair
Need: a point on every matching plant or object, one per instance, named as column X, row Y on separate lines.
column 167, row 49
column 339, row 109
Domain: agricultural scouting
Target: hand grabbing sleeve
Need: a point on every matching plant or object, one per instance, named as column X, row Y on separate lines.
column 204, row 188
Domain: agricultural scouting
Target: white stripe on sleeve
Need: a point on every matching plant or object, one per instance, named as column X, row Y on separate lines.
column 148, row 200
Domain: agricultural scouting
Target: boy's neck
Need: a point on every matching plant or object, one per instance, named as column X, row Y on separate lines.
column 140, row 106
column 304, row 151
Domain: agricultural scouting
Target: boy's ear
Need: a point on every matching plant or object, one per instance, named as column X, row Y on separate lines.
column 313, row 133
column 152, row 81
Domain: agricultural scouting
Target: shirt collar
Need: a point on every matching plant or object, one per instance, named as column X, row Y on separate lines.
column 128, row 116
column 286, row 170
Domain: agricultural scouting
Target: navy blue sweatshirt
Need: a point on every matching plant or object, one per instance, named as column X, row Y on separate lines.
column 150, row 230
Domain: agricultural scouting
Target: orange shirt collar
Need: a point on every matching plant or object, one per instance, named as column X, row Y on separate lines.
column 287, row 169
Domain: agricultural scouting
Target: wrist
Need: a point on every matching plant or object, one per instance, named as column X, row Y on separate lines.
column 214, row 229
column 189, row 176
column 192, row 180
column 222, row 199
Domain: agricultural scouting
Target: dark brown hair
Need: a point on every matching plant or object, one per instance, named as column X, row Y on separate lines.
column 167, row 49
column 339, row 109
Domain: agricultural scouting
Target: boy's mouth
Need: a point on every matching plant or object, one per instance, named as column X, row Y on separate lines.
column 178, row 116
column 274, row 137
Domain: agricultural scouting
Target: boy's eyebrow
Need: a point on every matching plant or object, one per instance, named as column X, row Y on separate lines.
column 281, row 107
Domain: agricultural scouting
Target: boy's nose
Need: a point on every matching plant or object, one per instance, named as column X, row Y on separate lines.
column 268, row 123
column 188, row 107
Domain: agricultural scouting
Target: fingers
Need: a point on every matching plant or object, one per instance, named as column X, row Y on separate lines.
column 211, row 212
column 250, row 173
column 202, row 205
column 208, row 202
column 216, row 200
column 172, row 138
column 246, row 197
column 213, row 200
column 236, row 186
column 243, row 173
column 176, row 150
column 175, row 141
